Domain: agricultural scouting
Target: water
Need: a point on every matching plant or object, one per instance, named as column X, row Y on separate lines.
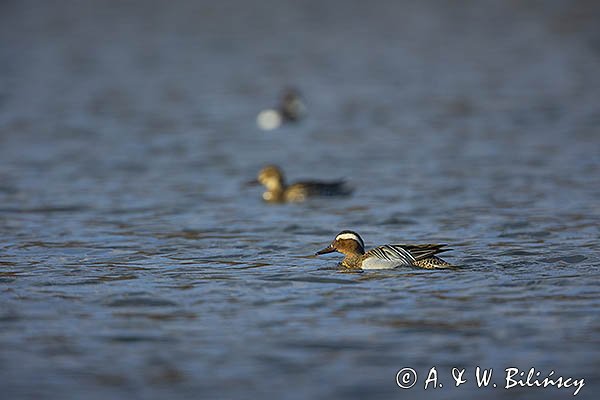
column 134, row 263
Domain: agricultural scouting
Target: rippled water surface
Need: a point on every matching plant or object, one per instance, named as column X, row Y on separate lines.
column 135, row 263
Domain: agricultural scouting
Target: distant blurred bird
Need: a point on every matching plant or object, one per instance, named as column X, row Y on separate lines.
column 278, row 192
column 291, row 108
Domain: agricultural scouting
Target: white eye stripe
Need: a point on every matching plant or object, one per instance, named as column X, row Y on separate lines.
column 344, row 236
column 350, row 236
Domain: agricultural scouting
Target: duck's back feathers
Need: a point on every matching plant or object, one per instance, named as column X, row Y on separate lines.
column 402, row 255
column 386, row 257
column 423, row 251
column 301, row 190
column 425, row 255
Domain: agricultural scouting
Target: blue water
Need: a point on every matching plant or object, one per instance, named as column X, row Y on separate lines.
column 135, row 263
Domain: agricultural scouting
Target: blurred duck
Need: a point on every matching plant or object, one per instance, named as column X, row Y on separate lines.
column 277, row 191
column 290, row 109
column 388, row 256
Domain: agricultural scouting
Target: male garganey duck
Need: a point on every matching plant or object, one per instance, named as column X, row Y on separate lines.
column 387, row 256
column 278, row 192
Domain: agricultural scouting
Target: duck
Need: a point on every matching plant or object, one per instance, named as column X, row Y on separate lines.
column 272, row 178
column 290, row 109
column 388, row 256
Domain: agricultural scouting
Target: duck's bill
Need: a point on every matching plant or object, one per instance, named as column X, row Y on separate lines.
column 328, row 249
column 253, row 182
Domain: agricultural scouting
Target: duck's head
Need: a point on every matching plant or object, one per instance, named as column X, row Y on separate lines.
column 346, row 242
column 271, row 177
column 291, row 106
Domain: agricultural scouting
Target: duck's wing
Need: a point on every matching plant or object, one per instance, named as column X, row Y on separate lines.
column 422, row 251
column 388, row 256
column 323, row 188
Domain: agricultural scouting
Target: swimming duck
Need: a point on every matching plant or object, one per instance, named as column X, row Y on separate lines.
column 278, row 192
column 387, row 256
column 291, row 108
